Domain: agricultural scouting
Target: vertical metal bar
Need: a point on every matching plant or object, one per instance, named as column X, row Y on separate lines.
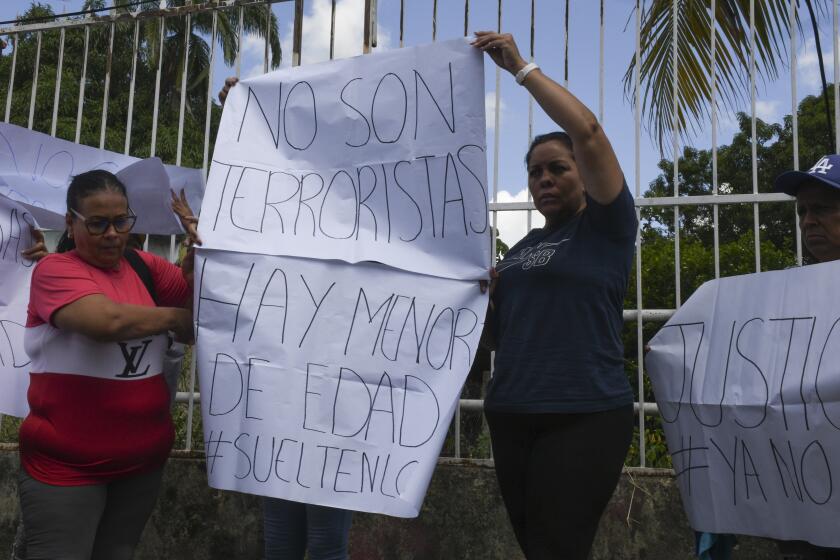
column 157, row 88
column 208, row 114
column 82, row 83
column 181, row 109
column 637, row 140
column 240, row 24
column 457, row 421
column 14, row 41
column 366, row 43
column 675, row 144
column 297, row 34
column 434, row 22
column 57, row 83
column 132, row 87
column 332, row 31
column 836, row 73
column 268, row 37
column 601, row 67
column 754, row 141
column 466, row 17
column 108, row 63
column 191, row 402
column 529, row 213
column 566, row 48
column 34, row 82
column 496, row 117
column 498, row 97
column 795, row 117
column 402, row 23
column 715, row 209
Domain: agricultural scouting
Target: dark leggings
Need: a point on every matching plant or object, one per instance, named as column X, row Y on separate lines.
column 556, row 473
column 99, row 522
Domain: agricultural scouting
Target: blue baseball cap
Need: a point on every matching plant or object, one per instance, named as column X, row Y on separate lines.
column 825, row 171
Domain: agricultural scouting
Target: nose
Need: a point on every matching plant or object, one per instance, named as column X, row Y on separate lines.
column 111, row 231
column 543, row 180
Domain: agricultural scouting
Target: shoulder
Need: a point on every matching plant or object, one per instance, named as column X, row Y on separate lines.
column 56, row 263
column 154, row 262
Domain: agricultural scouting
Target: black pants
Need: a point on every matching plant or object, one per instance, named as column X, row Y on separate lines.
column 557, row 472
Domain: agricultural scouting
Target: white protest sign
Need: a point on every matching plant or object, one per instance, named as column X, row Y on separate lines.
column 15, row 272
column 747, row 379
column 326, row 382
column 379, row 157
column 35, row 170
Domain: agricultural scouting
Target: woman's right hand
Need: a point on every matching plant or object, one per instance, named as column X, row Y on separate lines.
column 39, row 247
column 502, row 49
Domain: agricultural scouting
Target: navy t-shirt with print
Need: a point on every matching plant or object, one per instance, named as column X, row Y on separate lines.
column 558, row 314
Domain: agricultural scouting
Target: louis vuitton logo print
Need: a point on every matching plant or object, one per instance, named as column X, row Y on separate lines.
column 132, row 360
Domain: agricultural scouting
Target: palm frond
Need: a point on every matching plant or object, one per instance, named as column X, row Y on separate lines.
column 693, row 18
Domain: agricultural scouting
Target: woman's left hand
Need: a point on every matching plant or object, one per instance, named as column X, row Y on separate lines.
column 190, row 223
column 502, row 49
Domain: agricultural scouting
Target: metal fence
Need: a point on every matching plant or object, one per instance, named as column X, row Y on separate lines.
column 636, row 317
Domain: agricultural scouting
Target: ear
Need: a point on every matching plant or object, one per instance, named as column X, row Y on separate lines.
column 68, row 221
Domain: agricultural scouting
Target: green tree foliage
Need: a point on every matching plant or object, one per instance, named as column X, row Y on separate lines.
column 116, row 72
column 777, row 236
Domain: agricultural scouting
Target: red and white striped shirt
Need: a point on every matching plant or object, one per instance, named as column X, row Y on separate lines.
column 98, row 410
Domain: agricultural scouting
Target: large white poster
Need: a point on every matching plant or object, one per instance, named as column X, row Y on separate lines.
column 337, row 303
column 35, row 170
column 747, row 379
column 330, row 383
column 378, row 157
column 15, row 272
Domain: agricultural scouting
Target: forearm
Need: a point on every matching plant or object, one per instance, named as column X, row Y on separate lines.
column 136, row 321
column 107, row 321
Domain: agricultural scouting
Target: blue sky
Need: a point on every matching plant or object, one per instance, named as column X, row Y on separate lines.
column 774, row 99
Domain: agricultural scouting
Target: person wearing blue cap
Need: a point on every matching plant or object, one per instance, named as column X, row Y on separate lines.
column 817, row 193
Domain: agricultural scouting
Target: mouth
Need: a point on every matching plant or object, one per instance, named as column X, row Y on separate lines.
column 818, row 237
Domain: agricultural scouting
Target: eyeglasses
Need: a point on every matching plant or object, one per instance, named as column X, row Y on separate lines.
column 98, row 226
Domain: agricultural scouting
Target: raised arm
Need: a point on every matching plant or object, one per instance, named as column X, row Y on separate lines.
column 596, row 160
column 104, row 320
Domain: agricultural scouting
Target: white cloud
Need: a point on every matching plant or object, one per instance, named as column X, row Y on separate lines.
column 490, row 108
column 513, row 225
column 768, row 110
column 349, row 28
column 808, row 66
column 253, row 51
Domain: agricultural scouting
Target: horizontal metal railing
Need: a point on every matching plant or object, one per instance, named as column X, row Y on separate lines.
column 371, row 22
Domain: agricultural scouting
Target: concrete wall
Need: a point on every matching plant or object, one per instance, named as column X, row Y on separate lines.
column 462, row 518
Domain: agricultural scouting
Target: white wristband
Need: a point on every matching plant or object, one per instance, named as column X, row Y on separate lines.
column 522, row 74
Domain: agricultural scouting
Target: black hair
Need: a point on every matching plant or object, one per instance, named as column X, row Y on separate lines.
column 85, row 184
column 557, row 136
column 82, row 186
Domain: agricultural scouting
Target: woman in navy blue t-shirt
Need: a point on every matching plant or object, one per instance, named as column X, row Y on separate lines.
column 559, row 406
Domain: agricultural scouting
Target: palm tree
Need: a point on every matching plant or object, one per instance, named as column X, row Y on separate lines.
column 257, row 20
column 732, row 57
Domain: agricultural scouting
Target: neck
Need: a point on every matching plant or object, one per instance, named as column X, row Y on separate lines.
column 557, row 220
